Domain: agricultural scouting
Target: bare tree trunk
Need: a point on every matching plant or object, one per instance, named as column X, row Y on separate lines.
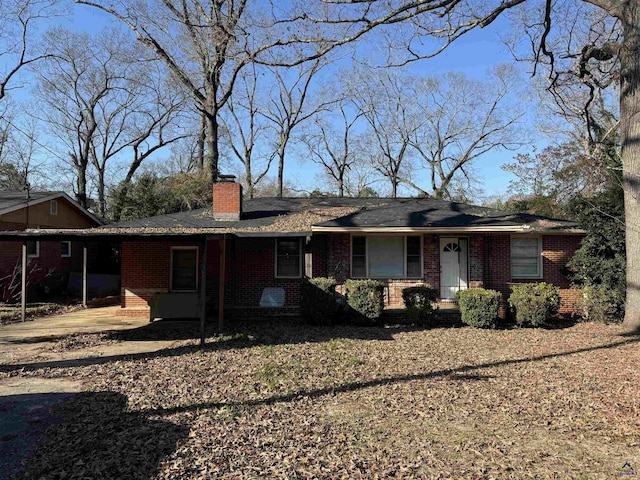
column 281, row 155
column 202, row 135
column 213, row 154
column 630, row 133
column 81, row 183
column 102, row 200
column 249, row 179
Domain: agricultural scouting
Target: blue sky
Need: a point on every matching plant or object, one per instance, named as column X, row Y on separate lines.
column 472, row 55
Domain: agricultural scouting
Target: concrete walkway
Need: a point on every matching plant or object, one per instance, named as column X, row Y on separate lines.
column 89, row 320
column 32, row 343
column 26, row 401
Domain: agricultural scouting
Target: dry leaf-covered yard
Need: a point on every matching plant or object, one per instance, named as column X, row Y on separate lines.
column 290, row 401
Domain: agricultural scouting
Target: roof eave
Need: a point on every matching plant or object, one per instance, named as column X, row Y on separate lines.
column 483, row 229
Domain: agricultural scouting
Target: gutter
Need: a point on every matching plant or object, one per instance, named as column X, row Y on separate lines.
column 512, row 229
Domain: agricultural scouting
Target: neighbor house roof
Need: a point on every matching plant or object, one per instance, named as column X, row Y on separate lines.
column 11, row 201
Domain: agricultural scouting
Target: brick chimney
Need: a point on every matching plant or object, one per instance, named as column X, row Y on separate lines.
column 227, row 199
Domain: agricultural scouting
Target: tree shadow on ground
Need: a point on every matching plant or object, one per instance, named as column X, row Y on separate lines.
column 23, row 422
column 239, row 334
column 266, row 330
column 463, row 373
column 99, row 439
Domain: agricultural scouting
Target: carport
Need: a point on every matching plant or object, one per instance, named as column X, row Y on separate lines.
column 85, row 236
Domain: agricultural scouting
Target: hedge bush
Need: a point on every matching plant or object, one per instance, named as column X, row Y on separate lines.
column 418, row 302
column 479, row 307
column 366, row 300
column 600, row 305
column 318, row 300
column 534, row 303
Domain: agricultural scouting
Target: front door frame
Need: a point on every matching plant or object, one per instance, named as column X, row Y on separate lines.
column 447, row 292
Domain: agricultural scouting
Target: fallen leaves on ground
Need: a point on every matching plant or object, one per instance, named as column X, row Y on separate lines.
column 280, row 400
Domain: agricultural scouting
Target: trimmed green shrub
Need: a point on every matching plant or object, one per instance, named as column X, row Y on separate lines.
column 318, row 300
column 366, row 300
column 418, row 302
column 479, row 307
column 599, row 305
column 534, row 303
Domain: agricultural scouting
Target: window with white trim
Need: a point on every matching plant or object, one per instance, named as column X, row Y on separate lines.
column 184, row 269
column 53, row 207
column 65, row 249
column 288, row 258
column 33, row 249
column 386, row 256
column 526, row 257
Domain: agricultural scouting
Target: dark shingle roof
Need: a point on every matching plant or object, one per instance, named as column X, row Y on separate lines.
column 328, row 213
column 434, row 213
column 12, row 200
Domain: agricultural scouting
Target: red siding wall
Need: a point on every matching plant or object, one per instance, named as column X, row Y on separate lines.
column 48, row 261
column 251, row 268
column 145, row 271
column 557, row 250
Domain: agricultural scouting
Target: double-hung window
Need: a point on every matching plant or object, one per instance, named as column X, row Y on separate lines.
column 386, row 256
column 184, row 269
column 526, row 257
column 288, row 257
column 33, row 248
column 65, row 249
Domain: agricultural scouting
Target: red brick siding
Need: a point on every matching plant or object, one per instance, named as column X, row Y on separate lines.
column 250, row 268
column 48, row 261
column 145, row 270
column 227, row 200
column 253, row 269
column 557, row 250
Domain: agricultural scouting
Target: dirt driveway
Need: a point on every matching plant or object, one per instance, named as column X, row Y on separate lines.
column 26, row 402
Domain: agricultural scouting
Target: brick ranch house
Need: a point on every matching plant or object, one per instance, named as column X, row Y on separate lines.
column 254, row 253
column 46, row 210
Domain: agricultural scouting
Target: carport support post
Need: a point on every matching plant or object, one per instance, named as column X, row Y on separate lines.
column 84, row 274
column 223, row 277
column 23, row 281
column 203, row 291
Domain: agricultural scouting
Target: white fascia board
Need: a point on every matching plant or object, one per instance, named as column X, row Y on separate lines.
column 505, row 229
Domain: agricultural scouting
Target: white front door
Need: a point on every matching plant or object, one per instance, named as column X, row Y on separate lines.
column 453, row 266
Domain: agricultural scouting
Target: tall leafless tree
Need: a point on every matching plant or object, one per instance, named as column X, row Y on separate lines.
column 103, row 99
column 388, row 104
column 19, row 42
column 330, row 142
column 462, row 119
column 245, row 127
column 449, row 20
column 207, row 43
column 290, row 105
